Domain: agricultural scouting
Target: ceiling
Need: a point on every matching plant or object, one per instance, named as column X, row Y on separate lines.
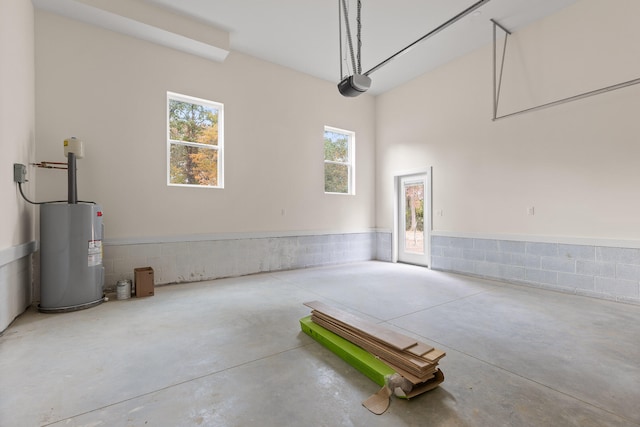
column 303, row 34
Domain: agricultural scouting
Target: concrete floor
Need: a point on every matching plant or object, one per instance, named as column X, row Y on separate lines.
column 230, row 353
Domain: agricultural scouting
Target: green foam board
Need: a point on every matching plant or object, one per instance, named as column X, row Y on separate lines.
column 362, row 360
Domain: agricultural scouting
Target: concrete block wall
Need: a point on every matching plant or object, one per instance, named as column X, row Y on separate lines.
column 212, row 258
column 592, row 270
column 384, row 246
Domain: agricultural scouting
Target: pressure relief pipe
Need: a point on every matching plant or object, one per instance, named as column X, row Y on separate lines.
column 72, row 183
column 73, row 149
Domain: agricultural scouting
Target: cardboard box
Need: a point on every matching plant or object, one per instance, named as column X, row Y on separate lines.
column 143, row 281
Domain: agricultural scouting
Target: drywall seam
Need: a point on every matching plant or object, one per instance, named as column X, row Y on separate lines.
column 225, row 236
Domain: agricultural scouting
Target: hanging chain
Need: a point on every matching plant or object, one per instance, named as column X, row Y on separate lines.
column 359, row 70
column 340, row 37
column 348, row 28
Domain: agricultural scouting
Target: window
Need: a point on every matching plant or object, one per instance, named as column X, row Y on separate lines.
column 194, row 142
column 339, row 161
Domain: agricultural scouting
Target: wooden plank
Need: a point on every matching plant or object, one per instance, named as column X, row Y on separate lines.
column 434, row 355
column 430, row 356
column 365, row 335
column 411, row 374
column 374, row 345
column 386, row 354
column 414, row 379
column 408, row 375
column 416, row 362
column 392, row 338
column 420, row 349
column 352, row 331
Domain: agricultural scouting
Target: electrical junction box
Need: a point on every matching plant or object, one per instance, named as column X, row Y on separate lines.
column 143, row 281
column 19, row 173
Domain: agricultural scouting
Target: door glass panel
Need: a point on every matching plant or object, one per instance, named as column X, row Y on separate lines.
column 414, row 217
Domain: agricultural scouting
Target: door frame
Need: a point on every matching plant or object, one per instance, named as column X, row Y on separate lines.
column 428, row 212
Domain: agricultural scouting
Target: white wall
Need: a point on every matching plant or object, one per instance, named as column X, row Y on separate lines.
column 110, row 91
column 577, row 163
column 17, row 145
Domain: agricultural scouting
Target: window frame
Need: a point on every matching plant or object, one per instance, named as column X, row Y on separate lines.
column 173, row 96
column 351, row 163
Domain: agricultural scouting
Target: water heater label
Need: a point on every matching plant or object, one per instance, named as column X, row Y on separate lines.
column 95, row 252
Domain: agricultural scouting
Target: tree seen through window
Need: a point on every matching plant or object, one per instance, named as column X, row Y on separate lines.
column 338, row 164
column 194, row 142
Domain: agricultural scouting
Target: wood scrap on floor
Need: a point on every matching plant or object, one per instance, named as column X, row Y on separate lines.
column 379, row 402
column 414, row 362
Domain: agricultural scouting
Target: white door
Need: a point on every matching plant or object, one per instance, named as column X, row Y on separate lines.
column 413, row 226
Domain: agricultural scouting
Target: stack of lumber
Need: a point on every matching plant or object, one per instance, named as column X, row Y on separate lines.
column 415, row 361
